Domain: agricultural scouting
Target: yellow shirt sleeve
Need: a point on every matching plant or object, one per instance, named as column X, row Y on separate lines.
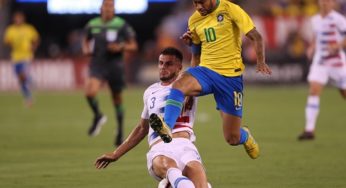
column 195, row 39
column 241, row 19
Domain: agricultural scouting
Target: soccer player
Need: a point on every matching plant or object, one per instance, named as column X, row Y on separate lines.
column 215, row 35
column 178, row 160
column 329, row 61
column 23, row 40
column 108, row 38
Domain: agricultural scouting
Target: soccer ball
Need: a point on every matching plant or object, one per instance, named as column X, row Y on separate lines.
column 164, row 183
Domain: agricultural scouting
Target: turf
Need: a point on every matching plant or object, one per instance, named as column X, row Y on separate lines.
column 47, row 145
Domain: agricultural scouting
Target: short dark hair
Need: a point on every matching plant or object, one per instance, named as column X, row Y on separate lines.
column 174, row 52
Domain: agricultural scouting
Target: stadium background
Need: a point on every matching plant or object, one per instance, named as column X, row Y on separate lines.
column 47, row 146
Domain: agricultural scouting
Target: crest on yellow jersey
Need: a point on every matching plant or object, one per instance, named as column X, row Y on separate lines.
column 220, row 17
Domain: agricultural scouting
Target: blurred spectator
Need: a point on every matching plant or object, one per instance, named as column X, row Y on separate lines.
column 74, row 41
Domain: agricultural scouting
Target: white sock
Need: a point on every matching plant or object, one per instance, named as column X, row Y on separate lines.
column 311, row 112
column 177, row 180
column 209, row 185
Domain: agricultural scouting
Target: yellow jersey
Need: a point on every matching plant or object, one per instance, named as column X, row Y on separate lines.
column 219, row 34
column 20, row 38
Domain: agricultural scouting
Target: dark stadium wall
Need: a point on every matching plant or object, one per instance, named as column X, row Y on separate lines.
column 55, row 28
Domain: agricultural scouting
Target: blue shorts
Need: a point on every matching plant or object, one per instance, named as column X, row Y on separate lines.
column 228, row 91
column 21, row 68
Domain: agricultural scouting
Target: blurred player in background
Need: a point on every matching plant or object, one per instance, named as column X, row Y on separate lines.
column 328, row 60
column 215, row 35
column 108, row 38
column 23, row 40
column 179, row 160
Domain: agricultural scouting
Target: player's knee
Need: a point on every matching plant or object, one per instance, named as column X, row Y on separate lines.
column 161, row 164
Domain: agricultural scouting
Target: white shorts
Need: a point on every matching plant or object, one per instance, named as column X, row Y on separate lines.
column 323, row 73
column 181, row 150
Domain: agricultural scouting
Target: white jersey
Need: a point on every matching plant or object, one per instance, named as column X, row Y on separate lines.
column 330, row 29
column 154, row 100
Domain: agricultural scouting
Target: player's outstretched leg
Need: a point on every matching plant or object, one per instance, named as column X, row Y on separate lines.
column 251, row 145
column 160, row 127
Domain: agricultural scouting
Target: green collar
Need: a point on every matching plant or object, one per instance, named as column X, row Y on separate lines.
column 217, row 3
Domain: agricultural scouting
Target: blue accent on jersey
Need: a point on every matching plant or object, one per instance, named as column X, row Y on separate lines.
column 228, row 91
column 243, row 136
column 178, row 180
column 173, row 107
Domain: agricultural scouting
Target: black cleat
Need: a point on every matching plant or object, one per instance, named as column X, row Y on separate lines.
column 160, row 127
column 306, row 136
column 95, row 128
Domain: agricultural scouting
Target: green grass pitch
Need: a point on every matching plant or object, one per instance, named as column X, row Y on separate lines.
column 47, row 146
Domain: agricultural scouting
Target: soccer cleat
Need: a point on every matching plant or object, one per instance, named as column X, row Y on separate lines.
column 160, row 127
column 95, row 128
column 251, row 145
column 306, row 136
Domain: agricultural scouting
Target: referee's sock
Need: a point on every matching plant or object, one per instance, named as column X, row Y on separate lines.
column 173, row 107
column 92, row 101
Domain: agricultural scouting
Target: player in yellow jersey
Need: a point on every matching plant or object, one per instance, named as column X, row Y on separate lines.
column 215, row 32
column 23, row 40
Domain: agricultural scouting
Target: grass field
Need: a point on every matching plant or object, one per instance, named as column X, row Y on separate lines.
column 47, row 146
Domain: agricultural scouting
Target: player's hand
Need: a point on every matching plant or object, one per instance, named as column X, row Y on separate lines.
column 188, row 103
column 187, row 38
column 104, row 160
column 263, row 68
column 115, row 47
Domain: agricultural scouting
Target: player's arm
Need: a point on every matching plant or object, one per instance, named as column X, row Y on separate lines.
column 311, row 48
column 136, row 136
column 86, row 49
column 195, row 48
column 258, row 44
column 35, row 39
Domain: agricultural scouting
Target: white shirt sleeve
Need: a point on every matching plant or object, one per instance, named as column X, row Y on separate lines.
column 145, row 112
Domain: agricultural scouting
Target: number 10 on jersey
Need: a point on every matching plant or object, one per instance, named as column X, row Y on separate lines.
column 210, row 34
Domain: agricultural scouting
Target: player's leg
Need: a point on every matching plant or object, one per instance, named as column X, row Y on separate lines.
column 115, row 78
column 195, row 171
column 235, row 135
column 186, row 85
column 311, row 110
column 119, row 114
column 22, row 72
column 228, row 94
column 318, row 76
column 93, row 86
column 189, row 84
column 165, row 167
